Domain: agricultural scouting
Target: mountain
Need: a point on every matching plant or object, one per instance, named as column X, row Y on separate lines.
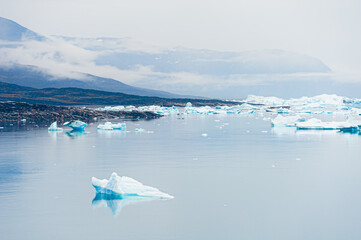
column 110, row 64
column 12, row 31
column 79, row 96
column 216, row 63
column 33, row 77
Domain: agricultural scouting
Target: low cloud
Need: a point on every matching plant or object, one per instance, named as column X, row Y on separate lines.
column 75, row 59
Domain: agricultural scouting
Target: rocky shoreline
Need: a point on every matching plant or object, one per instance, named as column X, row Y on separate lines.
column 19, row 113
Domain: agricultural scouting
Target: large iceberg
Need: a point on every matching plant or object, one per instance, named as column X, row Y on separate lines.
column 112, row 126
column 54, row 128
column 126, row 186
column 76, row 125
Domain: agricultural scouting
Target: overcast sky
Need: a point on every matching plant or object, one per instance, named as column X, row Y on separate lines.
column 329, row 30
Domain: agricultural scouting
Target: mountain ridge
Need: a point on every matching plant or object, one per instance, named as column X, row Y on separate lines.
column 79, row 96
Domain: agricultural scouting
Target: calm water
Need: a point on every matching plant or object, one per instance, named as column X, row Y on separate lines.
column 243, row 181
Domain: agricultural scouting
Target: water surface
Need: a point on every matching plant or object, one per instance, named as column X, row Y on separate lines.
column 244, row 180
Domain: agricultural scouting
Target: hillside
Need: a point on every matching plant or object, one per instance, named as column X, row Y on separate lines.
column 31, row 76
column 78, row 96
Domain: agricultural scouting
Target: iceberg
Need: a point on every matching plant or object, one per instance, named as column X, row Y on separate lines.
column 260, row 106
column 126, row 186
column 54, row 127
column 76, row 125
column 286, row 121
column 112, row 126
column 316, row 124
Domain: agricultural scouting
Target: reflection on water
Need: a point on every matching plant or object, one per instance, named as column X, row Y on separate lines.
column 284, row 130
column 111, row 133
column 116, row 202
column 76, row 133
column 317, row 132
column 279, row 131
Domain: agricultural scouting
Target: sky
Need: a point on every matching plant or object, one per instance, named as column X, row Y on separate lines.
column 329, row 30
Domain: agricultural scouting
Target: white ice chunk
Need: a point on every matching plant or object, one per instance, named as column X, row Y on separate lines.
column 270, row 101
column 112, row 126
column 286, row 121
column 316, row 124
column 76, row 125
column 126, row 186
column 54, row 127
column 139, row 130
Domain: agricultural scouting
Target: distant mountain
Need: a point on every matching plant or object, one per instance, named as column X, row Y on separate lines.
column 109, row 63
column 11, row 31
column 32, row 77
column 215, row 63
column 79, row 96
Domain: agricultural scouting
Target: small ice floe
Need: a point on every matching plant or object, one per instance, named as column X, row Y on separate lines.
column 204, row 134
column 188, row 105
column 76, row 125
column 286, row 121
column 264, row 131
column 54, row 128
column 112, row 126
column 126, row 186
column 139, row 130
column 316, row 124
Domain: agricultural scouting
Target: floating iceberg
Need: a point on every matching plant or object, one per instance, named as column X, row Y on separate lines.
column 286, row 121
column 112, row 126
column 54, row 127
column 76, row 125
column 316, row 124
column 126, row 186
column 139, row 130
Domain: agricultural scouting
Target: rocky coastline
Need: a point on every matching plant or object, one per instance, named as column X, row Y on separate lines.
column 20, row 113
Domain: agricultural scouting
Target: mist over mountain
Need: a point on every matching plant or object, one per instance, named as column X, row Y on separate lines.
column 132, row 67
column 31, row 76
